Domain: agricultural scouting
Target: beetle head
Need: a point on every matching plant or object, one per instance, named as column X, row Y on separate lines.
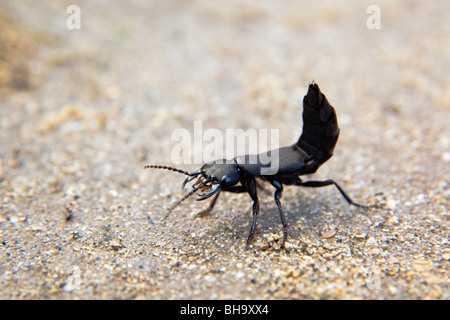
column 210, row 178
column 213, row 177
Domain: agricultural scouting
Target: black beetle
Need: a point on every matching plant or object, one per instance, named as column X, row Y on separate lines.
column 314, row 147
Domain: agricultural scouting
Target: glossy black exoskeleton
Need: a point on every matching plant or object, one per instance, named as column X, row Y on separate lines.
column 314, row 147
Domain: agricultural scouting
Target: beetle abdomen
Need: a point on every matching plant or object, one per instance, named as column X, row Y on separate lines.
column 320, row 126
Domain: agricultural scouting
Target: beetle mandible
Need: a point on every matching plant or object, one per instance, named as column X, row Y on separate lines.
column 314, row 147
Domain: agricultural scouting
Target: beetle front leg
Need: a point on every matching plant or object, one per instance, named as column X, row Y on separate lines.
column 251, row 236
column 209, row 209
column 251, row 188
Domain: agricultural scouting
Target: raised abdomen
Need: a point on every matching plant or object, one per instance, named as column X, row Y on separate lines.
column 320, row 126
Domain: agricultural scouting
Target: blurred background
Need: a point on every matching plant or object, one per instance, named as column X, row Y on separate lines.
column 83, row 109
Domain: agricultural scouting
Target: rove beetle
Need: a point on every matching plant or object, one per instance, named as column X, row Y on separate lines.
column 314, row 147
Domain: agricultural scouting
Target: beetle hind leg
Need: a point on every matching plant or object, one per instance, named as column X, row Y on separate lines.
column 318, row 184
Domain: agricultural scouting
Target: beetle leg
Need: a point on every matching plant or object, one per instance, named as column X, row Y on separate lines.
column 277, row 196
column 318, row 184
column 251, row 188
column 210, row 207
column 234, row 189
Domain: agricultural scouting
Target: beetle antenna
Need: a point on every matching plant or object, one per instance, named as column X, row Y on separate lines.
column 187, row 196
column 151, row 166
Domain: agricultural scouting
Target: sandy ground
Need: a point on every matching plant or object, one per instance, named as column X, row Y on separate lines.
column 82, row 111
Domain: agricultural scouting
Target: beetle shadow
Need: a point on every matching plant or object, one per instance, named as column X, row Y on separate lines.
column 310, row 220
